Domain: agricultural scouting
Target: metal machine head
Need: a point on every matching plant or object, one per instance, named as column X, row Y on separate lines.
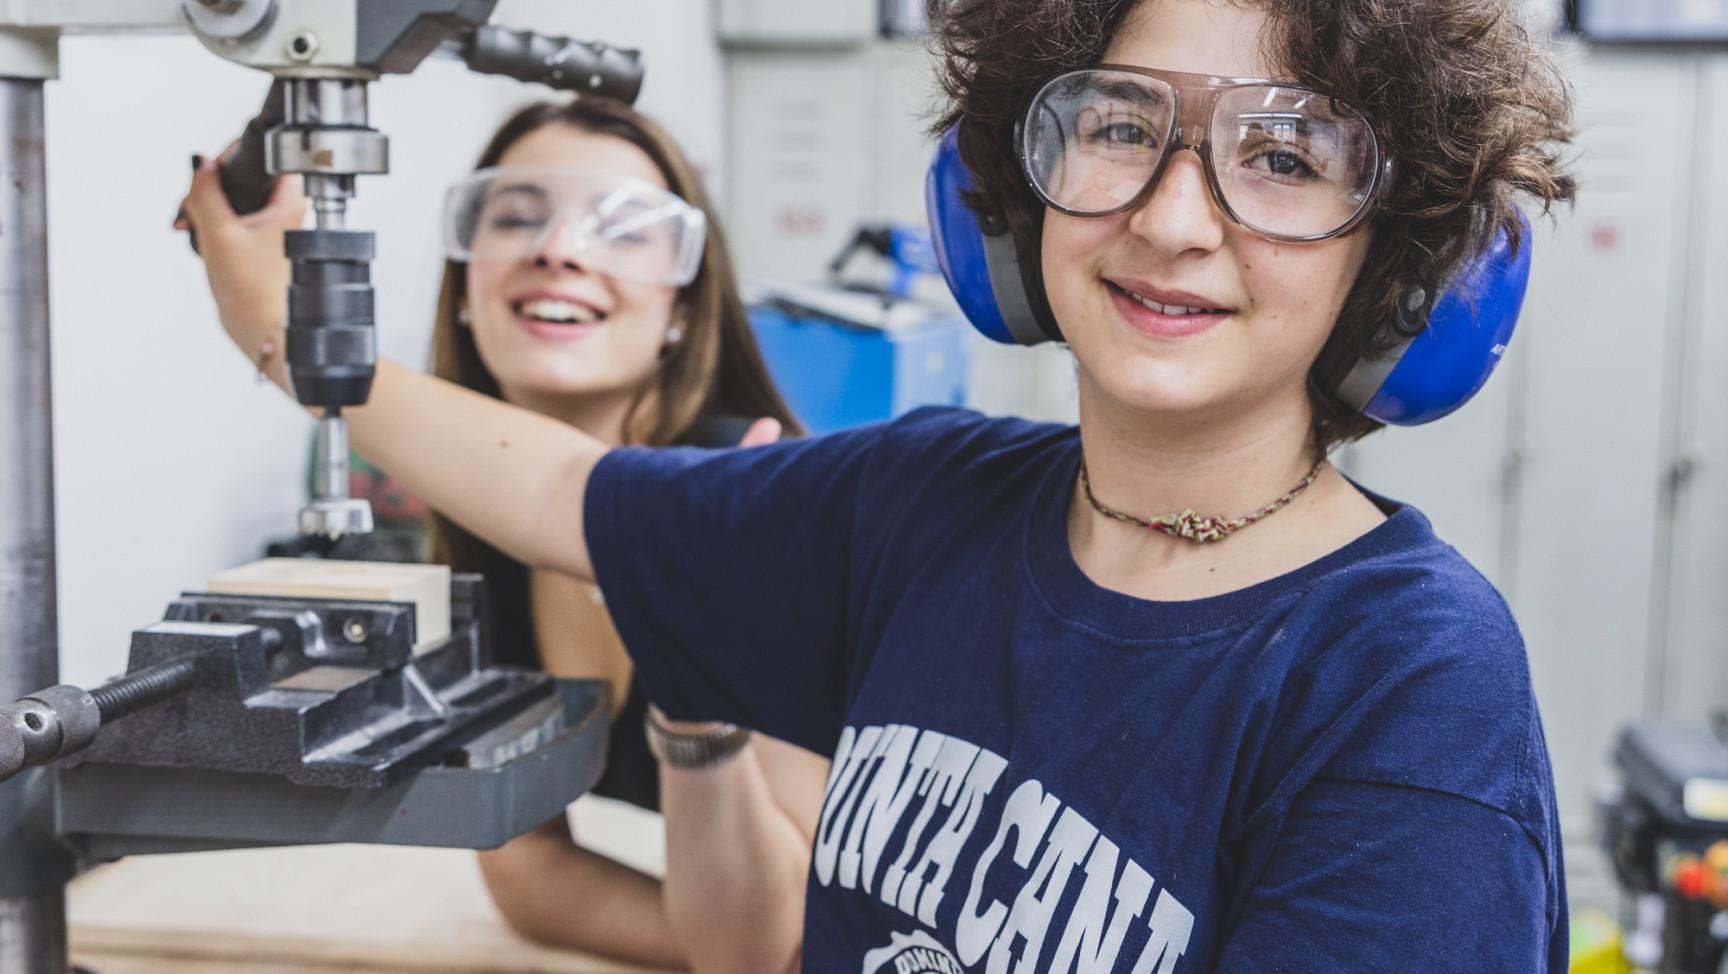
column 354, row 38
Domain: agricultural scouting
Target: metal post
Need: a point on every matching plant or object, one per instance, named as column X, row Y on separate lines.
column 33, row 871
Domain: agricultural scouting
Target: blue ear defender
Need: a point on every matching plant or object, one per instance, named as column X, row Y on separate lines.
column 1002, row 295
column 1433, row 368
column 1432, row 373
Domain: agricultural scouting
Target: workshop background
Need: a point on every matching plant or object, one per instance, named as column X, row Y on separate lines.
column 1587, row 481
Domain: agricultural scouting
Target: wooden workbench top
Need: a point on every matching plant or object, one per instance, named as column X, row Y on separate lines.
column 313, row 910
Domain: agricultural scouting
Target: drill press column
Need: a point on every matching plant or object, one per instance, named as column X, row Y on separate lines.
column 32, row 871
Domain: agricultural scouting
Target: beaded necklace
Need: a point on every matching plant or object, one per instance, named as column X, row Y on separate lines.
column 1198, row 528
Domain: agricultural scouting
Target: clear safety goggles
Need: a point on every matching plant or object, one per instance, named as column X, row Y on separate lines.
column 620, row 226
column 1288, row 163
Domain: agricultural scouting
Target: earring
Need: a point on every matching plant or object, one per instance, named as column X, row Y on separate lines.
column 463, row 317
column 674, row 334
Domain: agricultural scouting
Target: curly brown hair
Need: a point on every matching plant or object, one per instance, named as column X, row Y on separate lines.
column 1472, row 110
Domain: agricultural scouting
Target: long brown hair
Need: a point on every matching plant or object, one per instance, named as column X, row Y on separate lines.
column 715, row 368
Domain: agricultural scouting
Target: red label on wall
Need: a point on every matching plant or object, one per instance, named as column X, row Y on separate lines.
column 801, row 221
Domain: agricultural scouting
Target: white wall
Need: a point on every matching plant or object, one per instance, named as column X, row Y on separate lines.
column 171, row 462
column 685, row 86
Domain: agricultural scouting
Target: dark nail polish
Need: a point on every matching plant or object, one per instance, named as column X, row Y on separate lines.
column 197, row 162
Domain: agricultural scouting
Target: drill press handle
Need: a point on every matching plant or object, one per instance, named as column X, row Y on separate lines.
column 246, row 181
column 585, row 67
column 245, row 176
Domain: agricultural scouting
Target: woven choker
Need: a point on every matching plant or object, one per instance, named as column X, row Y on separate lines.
column 1199, row 528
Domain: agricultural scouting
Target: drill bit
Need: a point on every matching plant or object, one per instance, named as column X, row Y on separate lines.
column 332, row 512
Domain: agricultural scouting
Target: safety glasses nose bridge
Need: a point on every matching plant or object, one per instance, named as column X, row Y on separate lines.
column 1195, row 97
column 569, row 232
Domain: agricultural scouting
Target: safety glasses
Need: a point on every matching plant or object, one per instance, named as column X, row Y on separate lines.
column 616, row 225
column 1285, row 162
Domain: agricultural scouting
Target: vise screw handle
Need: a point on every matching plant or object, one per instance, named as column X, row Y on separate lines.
column 62, row 720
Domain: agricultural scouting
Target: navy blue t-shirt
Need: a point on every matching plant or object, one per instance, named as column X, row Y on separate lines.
column 1341, row 769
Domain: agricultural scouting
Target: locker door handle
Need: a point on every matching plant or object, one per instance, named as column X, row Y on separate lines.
column 1685, row 468
column 1512, row 469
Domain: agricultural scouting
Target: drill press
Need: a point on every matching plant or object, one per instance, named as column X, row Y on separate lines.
column 315, row 123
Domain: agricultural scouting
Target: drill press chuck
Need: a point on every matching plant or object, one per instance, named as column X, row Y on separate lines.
column 332, row 342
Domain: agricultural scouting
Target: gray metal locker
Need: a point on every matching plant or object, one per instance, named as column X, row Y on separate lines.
column 1604, row 308
column 1690, row 670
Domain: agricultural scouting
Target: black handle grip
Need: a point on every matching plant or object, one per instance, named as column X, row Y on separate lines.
column 879, row 238
column 245, row 180
column 586, row 67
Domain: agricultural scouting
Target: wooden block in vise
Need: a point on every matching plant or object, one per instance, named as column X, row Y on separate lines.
column 427, row 586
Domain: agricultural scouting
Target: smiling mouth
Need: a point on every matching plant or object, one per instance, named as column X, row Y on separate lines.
column 551, row 311
column 1172, row 310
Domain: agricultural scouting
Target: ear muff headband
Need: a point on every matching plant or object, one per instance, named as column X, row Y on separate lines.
column 1421, row 379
